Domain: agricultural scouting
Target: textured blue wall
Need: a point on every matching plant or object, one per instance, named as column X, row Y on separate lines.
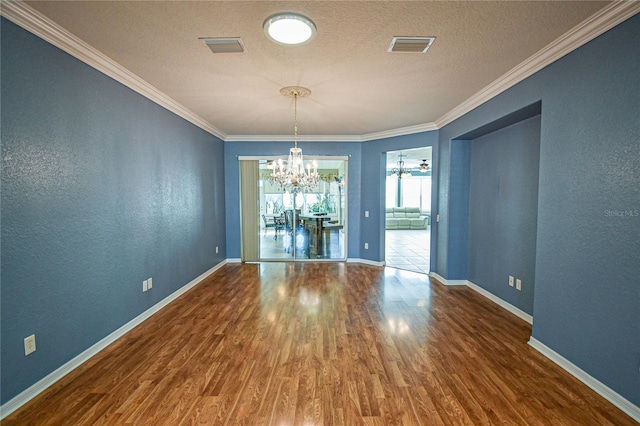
column 587, row 275
column 587, row 295
column 366, row 185
column 374, row 186
column 503, row 211
column 458, row 213
column 101, row 189
column 281, row 149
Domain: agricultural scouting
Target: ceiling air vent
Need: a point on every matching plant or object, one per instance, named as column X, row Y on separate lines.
column 224, row 44
column 410, row 44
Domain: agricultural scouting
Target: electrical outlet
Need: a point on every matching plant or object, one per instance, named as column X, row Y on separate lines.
column 216, row 249
column 519, row 284
column 366, row 213
column 511, row 280
column 30, row 344
column 145, row 285
column 366, row 246
column 149, row 283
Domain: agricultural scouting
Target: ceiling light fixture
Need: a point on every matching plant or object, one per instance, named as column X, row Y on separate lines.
column 292, row 175
column 424, row 166
column 400, row 171
column 289, row 28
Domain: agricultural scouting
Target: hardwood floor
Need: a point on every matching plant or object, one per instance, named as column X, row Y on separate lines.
column 322, row 343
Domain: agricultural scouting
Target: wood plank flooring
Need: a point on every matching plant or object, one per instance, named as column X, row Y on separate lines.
column 322, row 344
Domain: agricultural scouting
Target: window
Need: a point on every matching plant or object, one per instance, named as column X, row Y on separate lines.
column 415, row 191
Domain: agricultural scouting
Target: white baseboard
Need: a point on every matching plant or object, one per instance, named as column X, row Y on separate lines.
column 47, row 381
column 603, row 390
column 506, row 305
column 365, row 261
column 446, row 281
column 234, row 260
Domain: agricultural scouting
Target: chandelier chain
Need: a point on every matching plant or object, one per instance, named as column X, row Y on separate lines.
column 295, row 119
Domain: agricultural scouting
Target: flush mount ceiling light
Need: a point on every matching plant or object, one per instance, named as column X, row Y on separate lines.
column 289, row 28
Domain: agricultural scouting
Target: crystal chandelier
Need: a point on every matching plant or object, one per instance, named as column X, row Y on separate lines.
column 291, row 175
column 400, row 171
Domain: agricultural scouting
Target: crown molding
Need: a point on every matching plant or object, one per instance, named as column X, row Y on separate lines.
column 33, row 21
column 402, row 131
column 604, row 20
column 335, row 138
column 38, row 24
column 289, row 138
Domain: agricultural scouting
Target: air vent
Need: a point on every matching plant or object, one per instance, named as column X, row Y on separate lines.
column 224, row 44
column 410, row 44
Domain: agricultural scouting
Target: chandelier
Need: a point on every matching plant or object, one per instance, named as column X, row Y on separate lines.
column 292, row 175
column 400, row 171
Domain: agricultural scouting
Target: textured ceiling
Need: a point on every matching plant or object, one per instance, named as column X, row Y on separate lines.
column 357, row 86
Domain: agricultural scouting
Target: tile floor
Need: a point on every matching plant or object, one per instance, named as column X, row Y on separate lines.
column 408, row 249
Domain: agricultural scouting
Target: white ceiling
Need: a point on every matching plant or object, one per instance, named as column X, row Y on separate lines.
column 357, row 87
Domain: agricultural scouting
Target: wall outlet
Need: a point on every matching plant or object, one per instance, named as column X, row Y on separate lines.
column 30, row 344
column 511, row 280
column 149, row 283
column 519, row 284
column 366, row 246
column 145, row 285
column 216, row 249
column 366, row 213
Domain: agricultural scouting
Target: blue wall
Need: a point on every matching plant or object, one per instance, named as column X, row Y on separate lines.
column 374, row 187
column 503, row 211
column 366, row 185
column 101, row 189
column 458, row 215
column 587, row 262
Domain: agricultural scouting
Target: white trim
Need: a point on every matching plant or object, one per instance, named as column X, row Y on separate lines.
column 289, row 138
column 41, row 385
column 409, row 130
column 503, row 304
column 607, row 18
column 335, row 138
column 234, row 260
column 603, row 390
column 506, row 305
column 447, row 282
column 33, row 21
column 365, row 261
column 307, row 156
column 604, row 20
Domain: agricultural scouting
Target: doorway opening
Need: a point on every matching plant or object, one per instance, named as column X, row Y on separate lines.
column 408, row 209
column 302, row 224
